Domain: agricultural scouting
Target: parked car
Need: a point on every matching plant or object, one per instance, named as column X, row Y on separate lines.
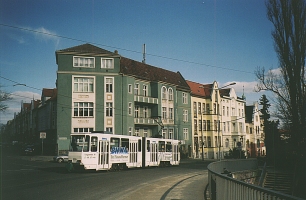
column 60, row 159
column 29, row 150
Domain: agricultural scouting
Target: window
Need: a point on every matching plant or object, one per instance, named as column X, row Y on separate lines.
column 83, row 62
column 224, row 126
column 83, row 109
column 215, row 108
column 170, row 133
column 130, row 108
column 185, row 98
column 145, row 90
column 200, row 125
column 145, row 132
column 107, row 63
column 109, row 109
column 130, row 88
column 195, row 125
column 136, row 89
column 109, row 85
column 82, row 130
column 136, row 131
column 216, row 141
column 185, row 133
column 227, row 111
column 164, row 132
column 226, row 143
column 164, row 93
column 203, row 107
column 195, row 109
column 199, row 108
column 145, row 112
column 208, row 141
column 208, row 125
column 223, row 110
column 185, row 115
column 130, row 130
column 240, row 127
column 82, row 84
column 204, row 125
column 207, row 108
column 171, row 113
column 109, row 129
column 136, row 111
column 228, row 126
column 170, row 94
column 164, row 112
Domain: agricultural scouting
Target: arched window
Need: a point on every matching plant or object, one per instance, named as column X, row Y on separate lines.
column 164, row 92
column 170, row 94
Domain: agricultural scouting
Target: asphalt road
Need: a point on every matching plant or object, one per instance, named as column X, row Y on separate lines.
column 26, row 178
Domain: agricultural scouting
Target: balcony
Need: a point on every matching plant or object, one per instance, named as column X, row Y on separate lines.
column 145, row 99
column 145, row 121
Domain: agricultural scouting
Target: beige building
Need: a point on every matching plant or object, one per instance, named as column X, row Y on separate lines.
column 218, row 120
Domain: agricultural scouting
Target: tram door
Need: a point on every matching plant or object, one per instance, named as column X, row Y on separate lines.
column 175, row 154
column 153, row 154
column 103, row 160
column 133, row 153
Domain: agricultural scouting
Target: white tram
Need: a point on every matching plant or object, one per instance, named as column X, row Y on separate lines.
column 101, row 151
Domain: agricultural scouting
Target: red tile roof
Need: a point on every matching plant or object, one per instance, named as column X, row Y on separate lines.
column 151, row 73
column 46, row 92
column 198, row 89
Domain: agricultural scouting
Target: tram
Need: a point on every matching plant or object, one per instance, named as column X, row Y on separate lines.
column 103, row 151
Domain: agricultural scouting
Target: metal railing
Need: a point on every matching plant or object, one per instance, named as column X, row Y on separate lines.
column 224, row 187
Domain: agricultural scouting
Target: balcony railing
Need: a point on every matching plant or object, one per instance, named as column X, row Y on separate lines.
column 222, row 186
column 145, row 121
column 146, row 99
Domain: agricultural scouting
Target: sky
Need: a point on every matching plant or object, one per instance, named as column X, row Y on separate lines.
column 206, row 41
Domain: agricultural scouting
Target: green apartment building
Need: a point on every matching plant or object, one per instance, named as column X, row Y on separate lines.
column 99, row 90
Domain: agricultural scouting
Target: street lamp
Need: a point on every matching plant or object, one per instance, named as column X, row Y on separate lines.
column 218, row 113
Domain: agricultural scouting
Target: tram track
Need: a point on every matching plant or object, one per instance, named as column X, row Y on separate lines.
column 167, row 188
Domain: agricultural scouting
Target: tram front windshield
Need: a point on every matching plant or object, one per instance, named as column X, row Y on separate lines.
column 79, row 143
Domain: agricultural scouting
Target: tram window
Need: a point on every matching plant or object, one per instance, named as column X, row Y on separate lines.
column 169, row 147
column 148, row 145
column 125, row 143
column 139, row 145
column 161, row 146
column 94, row 143
column 79, row 143
column 115, row 142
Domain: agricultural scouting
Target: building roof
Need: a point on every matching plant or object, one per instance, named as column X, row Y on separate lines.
column 86, row 49
column 52, row 93
column 198, row 89
column 147, row 72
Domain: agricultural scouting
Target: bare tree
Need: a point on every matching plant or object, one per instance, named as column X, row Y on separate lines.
column 4, row 96
column 289, row 20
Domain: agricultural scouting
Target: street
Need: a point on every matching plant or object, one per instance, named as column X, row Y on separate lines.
column 23, row 178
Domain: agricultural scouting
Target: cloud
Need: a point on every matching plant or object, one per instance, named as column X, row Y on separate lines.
column 45, row 34
column 41, row 33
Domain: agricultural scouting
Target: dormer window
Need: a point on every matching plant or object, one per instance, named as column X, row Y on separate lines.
column 83, row 62
column 107, row 63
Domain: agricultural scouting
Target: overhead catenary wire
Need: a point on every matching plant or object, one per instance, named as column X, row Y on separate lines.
column 124, row 49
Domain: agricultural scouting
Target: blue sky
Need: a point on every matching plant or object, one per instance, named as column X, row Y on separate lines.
column 206, row 41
